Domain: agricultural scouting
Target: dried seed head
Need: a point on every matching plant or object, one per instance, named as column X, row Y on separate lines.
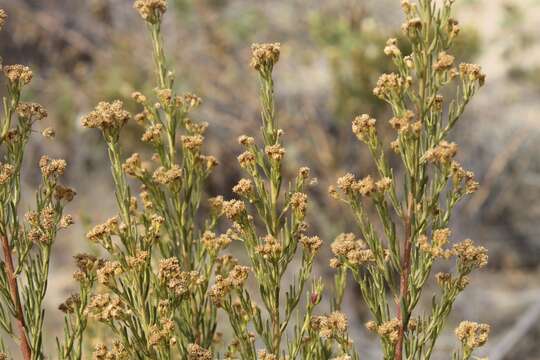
column 243, row 188
column 102, row 231
column 6, row 171
column 346, row 182
column 389, row 85
column 151, row 10
column 70, row 304
column 152, row 134
column 471, row 256
column 264, row 355
column 234, row 209
column 383, row 185
column 133, row 166
column 62, row 192
column 298, row 203
column 472, row 72
column 391, row 48
column 31, row 111
column 177, row 281
column 444, row 62
column 246, row 140
column 103, row 307
column 246, row 159
column 275, row 152
column 107, row 116
column 270, row 249
column 411, row 26
column 363, row 127
column 48, row 133
column 192, row 143
column 311, row 244
column 138, row 97
column 216, row 203
column 196, row 352
column 3, row 18
column 138, row 260
column 52, row 167
column 442, row 154
column 66, row 221
column 214, row 243
column 390, row 330
column 18, row 74
column 472, row 335
column 264, row 56
column 365, row 187
column 85, row 262
column 167, row 177
column 403, row 124
column 108, row 272
column 333, row 325
column 371, row 326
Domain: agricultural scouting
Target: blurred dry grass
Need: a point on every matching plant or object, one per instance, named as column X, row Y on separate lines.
column 85, row 51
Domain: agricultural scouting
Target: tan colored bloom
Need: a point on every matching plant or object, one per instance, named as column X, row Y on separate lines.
column 444, row 62
column 264, row 56
column 192, row 143
column 109, row 271
column 390, row 330
column 246, row 140
column 472, row 335
column 18, row 74
column 178, row 281
column 167, row 176
column 6, row 171
column 246, row 159
column 275, row 152
column 3, row 18
column 363, row 127
column 214, row 243
column 52, row 167
column 333, row 325
column 151, row 10
column 152, row 134
column 442, row 154
column 31, row 111
column 234, row 209
column 271, row 248
column 107, row 116
column 311, row 244
column 243, row 188
column 472, row 72
column 103, row 307
column 101, row 231
column 298, row 202
column 471, row 255
column 391, row 48
column 49, row 133
column 196, row 352
column 388, row 85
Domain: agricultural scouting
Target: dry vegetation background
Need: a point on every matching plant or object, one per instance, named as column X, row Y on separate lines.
column 83, row 51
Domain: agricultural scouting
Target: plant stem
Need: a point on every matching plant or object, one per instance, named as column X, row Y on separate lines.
column 14, row 290
column 404, row 279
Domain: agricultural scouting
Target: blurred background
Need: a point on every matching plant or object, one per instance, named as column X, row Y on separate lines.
column 84, row 51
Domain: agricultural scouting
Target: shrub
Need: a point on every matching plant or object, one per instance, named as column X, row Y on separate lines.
column 392, row 266
column 162, row 281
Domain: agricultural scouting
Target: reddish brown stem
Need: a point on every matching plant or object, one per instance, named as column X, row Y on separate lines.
column 404, row 277
column 14, row 290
